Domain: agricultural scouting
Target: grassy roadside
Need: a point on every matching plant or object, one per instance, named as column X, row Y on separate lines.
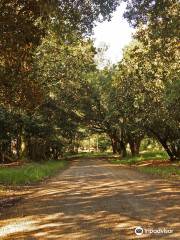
column 155, row 163
column 172, row 172
column 30, row 173
column 144, row 156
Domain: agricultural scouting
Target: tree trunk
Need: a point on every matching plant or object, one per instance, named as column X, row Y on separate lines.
column 19, row 142
column 134, row 146
column 167, row 149
column 18, row 146
column 123, row 149
column 114, row 146
column 175, row 149
column 163, row 142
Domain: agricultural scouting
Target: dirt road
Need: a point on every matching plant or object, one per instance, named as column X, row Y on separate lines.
column 93, row 199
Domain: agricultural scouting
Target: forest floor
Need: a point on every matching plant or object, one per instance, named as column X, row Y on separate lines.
column 95, row 200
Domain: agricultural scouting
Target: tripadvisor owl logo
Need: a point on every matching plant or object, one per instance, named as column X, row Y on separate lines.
column 139, row 231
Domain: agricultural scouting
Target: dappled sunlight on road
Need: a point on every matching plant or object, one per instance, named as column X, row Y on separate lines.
column 17, row 225
column 94, row 200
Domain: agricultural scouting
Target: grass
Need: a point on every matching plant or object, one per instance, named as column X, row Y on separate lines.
column 144, row 156
column 30, row 173
column 163, row 171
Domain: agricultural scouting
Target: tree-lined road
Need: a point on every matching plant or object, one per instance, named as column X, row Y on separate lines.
column 93, row 199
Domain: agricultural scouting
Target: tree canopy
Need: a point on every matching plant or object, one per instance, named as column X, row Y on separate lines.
column 51, row 87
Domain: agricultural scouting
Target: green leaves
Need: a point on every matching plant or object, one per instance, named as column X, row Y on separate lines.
column 149, row 72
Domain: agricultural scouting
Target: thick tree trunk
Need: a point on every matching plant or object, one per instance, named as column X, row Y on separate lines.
column 167, row 149
column 172, row 153
column 118, row 146
column 135, row 146
column 123, row 149
column 114, row 145
column 175, row 149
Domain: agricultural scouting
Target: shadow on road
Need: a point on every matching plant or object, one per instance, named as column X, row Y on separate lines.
column 95, row 200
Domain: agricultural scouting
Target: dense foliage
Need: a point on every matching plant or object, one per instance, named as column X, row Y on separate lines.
column 140, row 95
column 45, row 56
column 51, row 88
